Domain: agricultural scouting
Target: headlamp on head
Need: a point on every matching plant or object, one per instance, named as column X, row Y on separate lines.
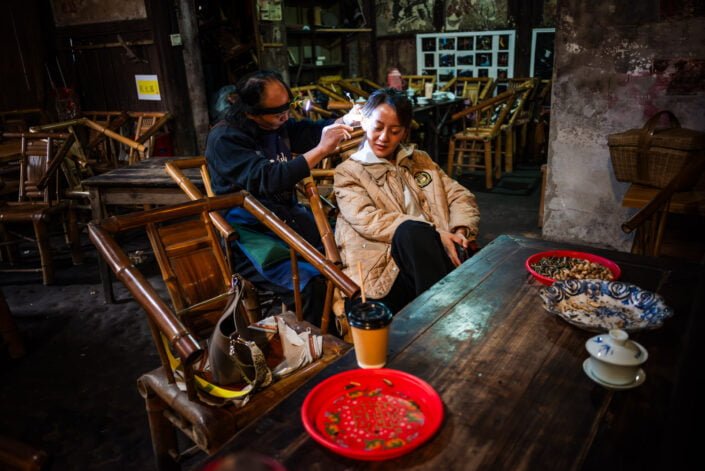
column 276, row 110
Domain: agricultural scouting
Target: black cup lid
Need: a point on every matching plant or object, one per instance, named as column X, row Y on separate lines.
column 369, row 315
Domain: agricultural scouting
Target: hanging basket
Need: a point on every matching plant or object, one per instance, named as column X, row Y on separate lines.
column 652, row 157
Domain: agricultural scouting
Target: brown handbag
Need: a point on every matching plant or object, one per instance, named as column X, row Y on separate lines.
column 233, row 354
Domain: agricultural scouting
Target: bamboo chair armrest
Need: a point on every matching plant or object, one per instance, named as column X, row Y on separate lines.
column 240, row 199
column 186, row 345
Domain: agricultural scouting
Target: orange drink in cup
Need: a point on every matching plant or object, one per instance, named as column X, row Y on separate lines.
column 370, row 322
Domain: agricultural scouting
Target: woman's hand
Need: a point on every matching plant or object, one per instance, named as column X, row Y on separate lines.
column 331, row 137
column 449, row 241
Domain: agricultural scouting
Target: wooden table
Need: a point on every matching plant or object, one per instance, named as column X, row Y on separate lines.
column 683, row 202
column 145, row 183
column 510, row 376
column 432, row 117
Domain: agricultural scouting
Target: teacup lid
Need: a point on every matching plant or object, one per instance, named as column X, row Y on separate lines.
column 369, row 315
column 616, row 348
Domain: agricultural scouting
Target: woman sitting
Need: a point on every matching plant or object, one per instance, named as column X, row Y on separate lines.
column 401, row 217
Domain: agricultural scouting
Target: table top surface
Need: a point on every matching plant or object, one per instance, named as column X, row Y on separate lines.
column 684, row 202
column 148, row 173
column 511, row 380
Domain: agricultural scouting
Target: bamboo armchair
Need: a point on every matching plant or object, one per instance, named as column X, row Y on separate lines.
column 649, row 222
column 186, row 230
column 514, row 130
column 473, row 148
column 39, row 201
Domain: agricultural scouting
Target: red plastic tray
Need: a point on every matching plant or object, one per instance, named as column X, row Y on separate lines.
column 613, row 267
column 372, row 414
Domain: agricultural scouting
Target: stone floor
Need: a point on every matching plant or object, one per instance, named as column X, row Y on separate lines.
column 73, row 394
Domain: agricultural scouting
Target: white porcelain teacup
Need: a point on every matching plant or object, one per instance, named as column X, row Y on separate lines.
column 422, row 100
column 615, row 359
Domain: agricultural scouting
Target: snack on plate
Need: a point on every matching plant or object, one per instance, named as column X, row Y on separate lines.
column 567, row 268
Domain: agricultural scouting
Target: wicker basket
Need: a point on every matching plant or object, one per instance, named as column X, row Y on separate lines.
column 651, row 156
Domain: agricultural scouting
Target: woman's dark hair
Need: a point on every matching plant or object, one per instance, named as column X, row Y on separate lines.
column 394, row 98
column 249, row 92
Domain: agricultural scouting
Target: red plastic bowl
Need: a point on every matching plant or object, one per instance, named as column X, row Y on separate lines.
column 613, row 267
column 375, row 414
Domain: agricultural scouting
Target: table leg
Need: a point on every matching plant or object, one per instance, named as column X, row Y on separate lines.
column 98, row 213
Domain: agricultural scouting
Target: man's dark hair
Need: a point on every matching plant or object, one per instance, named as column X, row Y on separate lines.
column 394, row 98
column 249, row 92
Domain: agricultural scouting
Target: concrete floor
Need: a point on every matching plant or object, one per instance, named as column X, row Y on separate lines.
column 73, row 395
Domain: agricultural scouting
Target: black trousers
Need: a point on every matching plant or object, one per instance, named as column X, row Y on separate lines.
column 418, row 252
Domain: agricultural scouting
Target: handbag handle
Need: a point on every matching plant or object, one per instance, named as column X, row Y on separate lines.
column 646, row 134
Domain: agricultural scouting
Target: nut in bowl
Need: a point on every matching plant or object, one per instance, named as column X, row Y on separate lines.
column 547, row 267
column 599, row 306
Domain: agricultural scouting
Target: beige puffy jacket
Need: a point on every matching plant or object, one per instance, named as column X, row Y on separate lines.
column 370, row 197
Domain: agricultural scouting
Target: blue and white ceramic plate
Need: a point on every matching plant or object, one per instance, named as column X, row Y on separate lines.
column 598, row 305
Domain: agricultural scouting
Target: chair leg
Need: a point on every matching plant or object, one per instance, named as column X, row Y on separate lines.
column 509, row 153
column 163, row 433
column 498, row 158
column 451, row 156
column 488, row 165
column 42, row 234
column 8, row 250
column 74, row 237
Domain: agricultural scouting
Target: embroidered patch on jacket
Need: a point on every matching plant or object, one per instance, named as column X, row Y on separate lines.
column 422, row 179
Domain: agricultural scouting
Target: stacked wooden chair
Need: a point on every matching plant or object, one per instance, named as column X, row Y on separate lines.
column 359, row 87
column 479, row 144
column 514, row 130
column 39, row 202
column 198, row 280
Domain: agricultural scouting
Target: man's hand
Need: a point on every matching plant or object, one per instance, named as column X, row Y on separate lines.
column 331, row 137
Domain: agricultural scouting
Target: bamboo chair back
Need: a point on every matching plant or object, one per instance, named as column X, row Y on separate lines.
column 475, row 89
column 176, row 169
column 39, row 198
column 474, row 146
column 418, row 82
column 147, row 125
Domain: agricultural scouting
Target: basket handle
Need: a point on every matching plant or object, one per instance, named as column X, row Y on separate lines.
column 645, row 136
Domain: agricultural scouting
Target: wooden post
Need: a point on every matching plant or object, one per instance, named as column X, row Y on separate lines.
column 194, row 71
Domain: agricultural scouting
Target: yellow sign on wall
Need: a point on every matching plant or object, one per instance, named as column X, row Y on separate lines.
column 148, row 87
